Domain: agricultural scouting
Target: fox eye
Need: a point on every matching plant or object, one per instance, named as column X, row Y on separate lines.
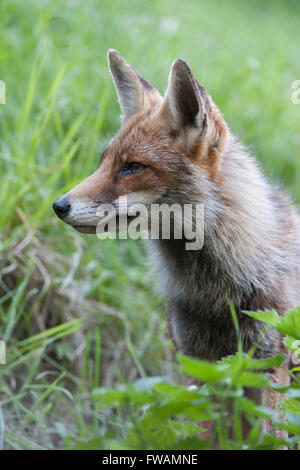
column 132, row 168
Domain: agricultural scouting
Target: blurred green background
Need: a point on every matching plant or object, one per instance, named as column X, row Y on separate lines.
column 77, row 313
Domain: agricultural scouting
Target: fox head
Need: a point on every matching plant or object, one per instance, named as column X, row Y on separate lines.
column 167, row 149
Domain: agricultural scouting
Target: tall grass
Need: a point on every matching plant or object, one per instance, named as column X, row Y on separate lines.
column 77, row 313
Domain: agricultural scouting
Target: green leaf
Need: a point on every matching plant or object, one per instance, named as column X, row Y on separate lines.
column 292, row 405
column 178, row 392
column 191, row 443
column 290, row 324
column 147, row 383
column 244, row 362
column 270, row 442
column 270, row 317
column 92, row 444
column 203, row 370
column 251, row 408
column 250, row 379
column 106, row 398
column 139, row 393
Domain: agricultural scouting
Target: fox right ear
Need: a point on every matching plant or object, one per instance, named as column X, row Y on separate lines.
column 190, row 112
column 135, row 94
column 183, row 106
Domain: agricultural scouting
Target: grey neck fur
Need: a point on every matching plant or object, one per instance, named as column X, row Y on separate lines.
column 248, row 259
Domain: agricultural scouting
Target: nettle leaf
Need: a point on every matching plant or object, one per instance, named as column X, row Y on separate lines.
column 232, row 370
column 178, row 392
column 269, row 442
column 265, row 363
column 250, row 379
column 170, row 433
column 283, row 388
column 292, row 405
column 147, row 383
column 158, row 433
column 274, row 416
column 98, row 443
column 186, row 428
column 288, row 325
column 140, row 397
column 200, row 414
column 139, row 393
column 157, row 415
column 251, row 408
column 292, row 343
column 203, row 370
column 191, row 443
column 293, row 428
column 269, row 316
column 156, row 430
column 244, row 362
column 106, row 398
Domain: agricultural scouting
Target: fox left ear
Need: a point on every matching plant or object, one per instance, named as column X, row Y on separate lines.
column 134, row 92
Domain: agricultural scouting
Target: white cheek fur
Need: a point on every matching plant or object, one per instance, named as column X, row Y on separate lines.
column 82, row 213
column 85, row 213
column 123, row 203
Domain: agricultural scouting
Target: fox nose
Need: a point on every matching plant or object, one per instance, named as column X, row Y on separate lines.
column 61, row 207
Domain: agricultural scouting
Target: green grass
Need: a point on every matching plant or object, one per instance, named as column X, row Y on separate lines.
column 61, row 110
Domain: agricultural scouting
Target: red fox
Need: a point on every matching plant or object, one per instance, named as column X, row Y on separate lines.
column 179, row 149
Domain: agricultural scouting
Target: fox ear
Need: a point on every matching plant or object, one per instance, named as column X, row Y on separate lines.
column 135, row 94
column 190, row 112
column 183, row 105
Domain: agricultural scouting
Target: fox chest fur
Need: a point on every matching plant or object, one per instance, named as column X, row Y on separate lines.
column 198, row 293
